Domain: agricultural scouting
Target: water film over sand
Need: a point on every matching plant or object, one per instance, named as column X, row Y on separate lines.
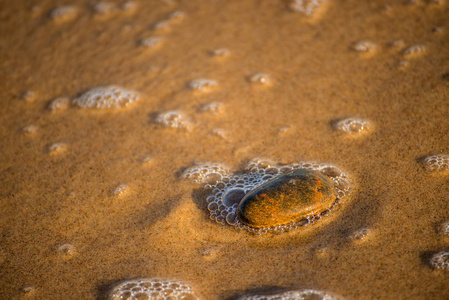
column 224, row 150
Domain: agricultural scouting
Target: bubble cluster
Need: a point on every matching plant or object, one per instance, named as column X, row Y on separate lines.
column 152, row 289
column 436, row 163
column 213, row 107
column 63, row 13
column 351, row 125
column 227, row 189
column 59, row 104
column 307, row 7
column 173, row 119
column 440, row 260
column 106, row 97
column 202, row 84
column 366, row 47
column 414, row 51
column 292, row 295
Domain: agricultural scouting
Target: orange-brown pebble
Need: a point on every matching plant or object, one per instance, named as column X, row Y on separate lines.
column 289, row 198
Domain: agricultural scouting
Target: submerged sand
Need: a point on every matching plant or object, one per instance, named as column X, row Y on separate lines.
column 108, row 182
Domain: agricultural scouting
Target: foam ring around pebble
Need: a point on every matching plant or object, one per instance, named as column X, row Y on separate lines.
column 226, row 193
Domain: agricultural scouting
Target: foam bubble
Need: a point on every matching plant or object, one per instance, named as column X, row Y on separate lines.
column 146, row 288
column 444, row 228
column 63, row 13
column 414, row 51
column 307, row 7
column 365, row 47
column 67, row 250
column 227, row 189
column 103, row 9
column 120, row 190
column 28, row 96
column 173, row 119
column 30, row 129
column 351, row 125
column 28, row 291
column 59, row 104
column 261, row 78
column 106, row 97
column 222, row 133
column 57, row 148
column 151, row 42
column 213, row 107
column 440, row 260
column 292, row 295
column 128, row 6
column 436, row 163
column 360, row 234
column 202, row 84
column 171, row 19
column 220, row 52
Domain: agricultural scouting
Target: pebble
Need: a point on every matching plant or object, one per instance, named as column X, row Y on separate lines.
column 291, row 197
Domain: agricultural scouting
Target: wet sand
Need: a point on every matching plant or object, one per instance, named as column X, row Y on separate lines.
column 379, row 61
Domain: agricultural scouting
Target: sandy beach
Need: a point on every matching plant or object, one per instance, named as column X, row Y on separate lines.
column 120, row 119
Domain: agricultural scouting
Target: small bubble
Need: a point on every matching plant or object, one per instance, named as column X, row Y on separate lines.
column 120, row 190
column 440, row 260
column 261, row 78
column 414, row 51
column 365, row 47
column 444, row 228
column 102, row 9
column 151, row 42
column 59, row 104
column 147, row 160
column 436, row 163
column 360, row 234
column 28, row 290
column 106, row 97
column 403, row 64
column 210, row 253
column 64, row 13
column 202, row 84
column 57, row 148
column 307, row 7
column 67, row 250
column 28, row 96
column 128, row 6
column 30, row 129
column 173, row 119
column 220, row 52
column 351, row 125
column 213, row 107
column 220, row 133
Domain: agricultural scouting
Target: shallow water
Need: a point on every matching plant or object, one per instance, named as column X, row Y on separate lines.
column 92, row 197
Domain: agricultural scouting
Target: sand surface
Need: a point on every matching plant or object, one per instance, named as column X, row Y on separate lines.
column 107, row 184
